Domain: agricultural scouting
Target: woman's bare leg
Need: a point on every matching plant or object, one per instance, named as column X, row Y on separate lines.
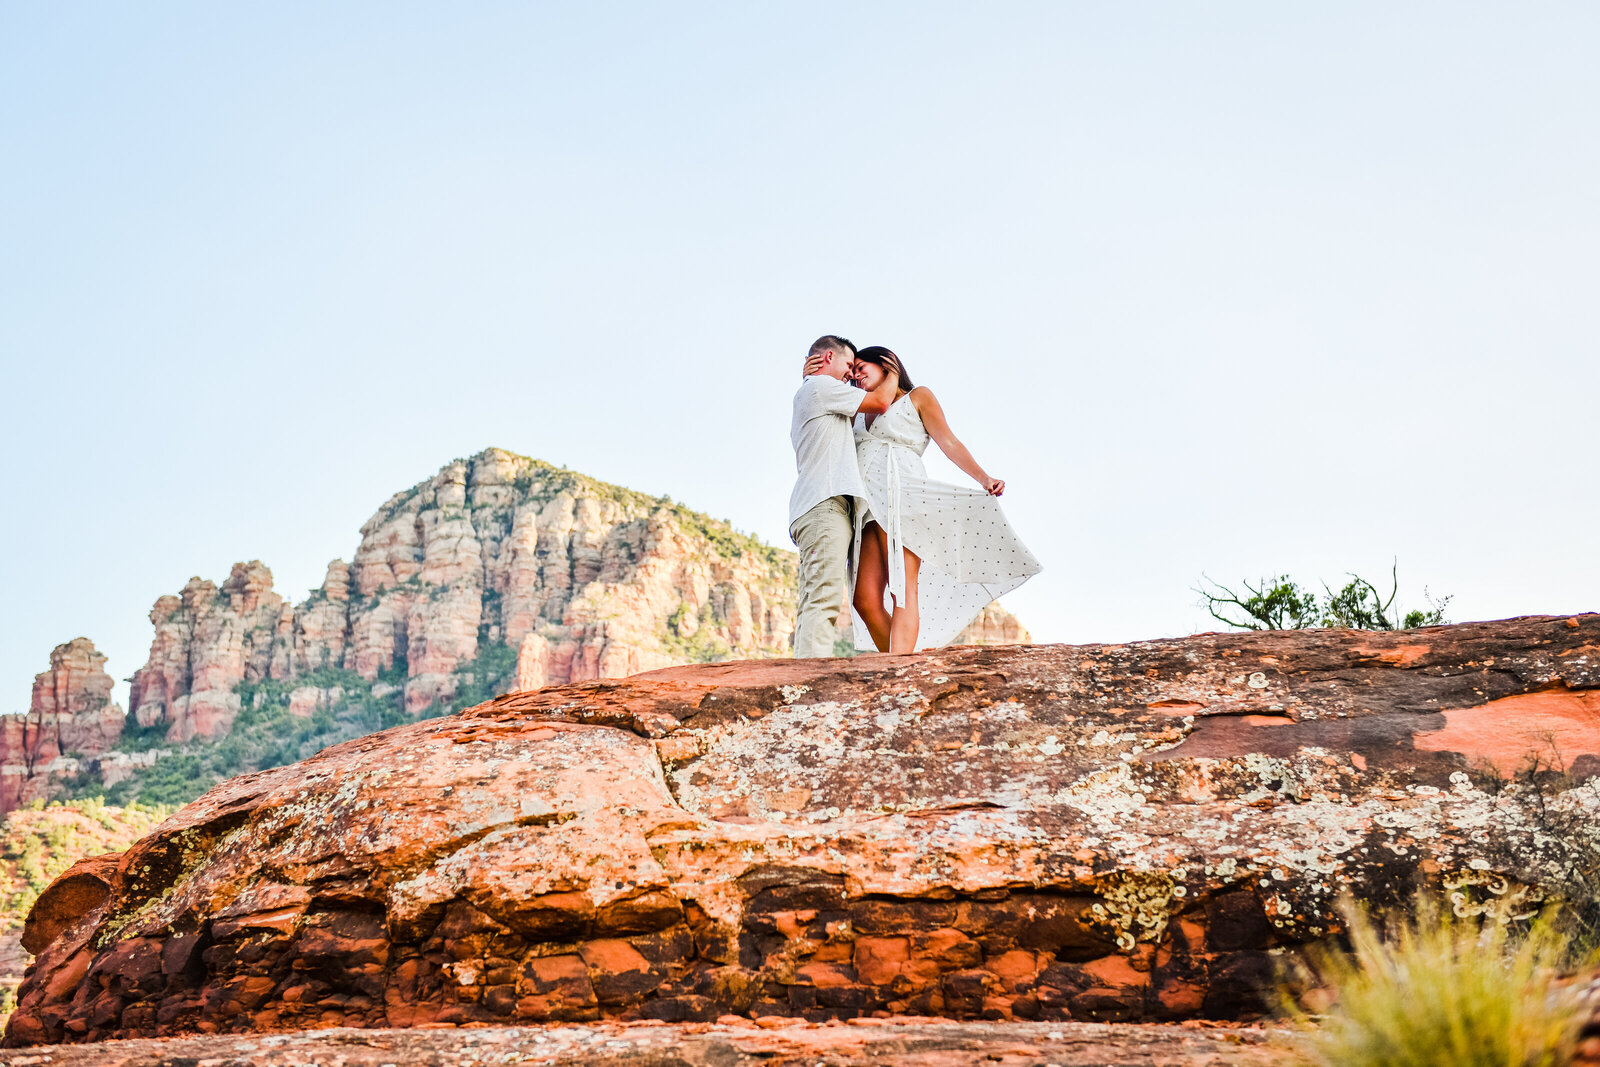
column 872, row 576
column 906, row 622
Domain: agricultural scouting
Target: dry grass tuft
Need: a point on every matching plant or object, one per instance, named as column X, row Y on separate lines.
column 1429, row 991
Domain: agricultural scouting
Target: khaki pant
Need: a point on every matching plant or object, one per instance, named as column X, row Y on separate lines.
column 823, row 537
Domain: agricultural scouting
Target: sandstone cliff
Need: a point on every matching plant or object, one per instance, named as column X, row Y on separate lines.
column 577, row 578
column 1102, row 832
column 574, row 578
column 498, row 573
column 71, row 715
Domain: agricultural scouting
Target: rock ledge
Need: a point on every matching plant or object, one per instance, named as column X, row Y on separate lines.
column 1032, row 832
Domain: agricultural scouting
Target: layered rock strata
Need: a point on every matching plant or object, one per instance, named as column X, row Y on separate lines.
column 71, row 715
column 499, row 573
column 1116, row 832
column 727, row 1043
column 491, row 551
column 574, row 578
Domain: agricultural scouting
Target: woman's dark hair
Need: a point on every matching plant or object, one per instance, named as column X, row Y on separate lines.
column 888, row 361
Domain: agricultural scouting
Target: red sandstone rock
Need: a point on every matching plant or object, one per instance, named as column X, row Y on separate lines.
column 579, row 579
column 71, row 715
column 1129, row 832
column 207, row 641
column 889, row 1043
column 576, row 578
column 80, row 889
column 994, row 626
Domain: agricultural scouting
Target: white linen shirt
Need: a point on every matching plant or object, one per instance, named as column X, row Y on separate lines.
column 824, row 443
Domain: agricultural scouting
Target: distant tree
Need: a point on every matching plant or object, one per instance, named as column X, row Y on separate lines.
column 1280, row 603
column 1359, row 606
column 1275, row 603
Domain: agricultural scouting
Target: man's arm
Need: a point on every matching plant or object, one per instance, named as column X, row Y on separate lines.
column 834, row 397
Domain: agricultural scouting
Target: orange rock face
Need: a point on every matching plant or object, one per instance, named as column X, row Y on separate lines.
column 1036, row 832
column 904, row 1042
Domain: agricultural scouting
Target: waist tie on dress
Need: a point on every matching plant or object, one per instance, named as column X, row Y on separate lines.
column 891, row 521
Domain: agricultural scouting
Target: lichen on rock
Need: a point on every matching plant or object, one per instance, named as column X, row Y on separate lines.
column 1018, row 832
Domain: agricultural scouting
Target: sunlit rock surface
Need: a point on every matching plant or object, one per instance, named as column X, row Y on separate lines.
column 731, row 1042
column 70, row 717
column 488, row 553
column 1036, row 832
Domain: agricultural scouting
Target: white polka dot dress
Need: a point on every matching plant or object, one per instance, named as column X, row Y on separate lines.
column 970, row 555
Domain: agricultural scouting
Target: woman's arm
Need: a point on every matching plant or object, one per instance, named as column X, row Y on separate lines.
column 927, row 406
column 881, row 399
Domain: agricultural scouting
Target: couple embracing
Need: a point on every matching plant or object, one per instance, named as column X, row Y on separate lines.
column 919, row 558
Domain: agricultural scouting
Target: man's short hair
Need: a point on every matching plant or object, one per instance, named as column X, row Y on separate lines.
column 830, row 341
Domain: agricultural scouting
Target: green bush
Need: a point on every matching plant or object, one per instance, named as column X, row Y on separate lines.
column 136, row 738
column 266, row 735
column 174, row 780
column 1424, row 990
column 1278, row 602
column 701, row 646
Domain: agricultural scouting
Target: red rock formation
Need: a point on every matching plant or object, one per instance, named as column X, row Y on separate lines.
column 994, row 626
column 71, row 715
column 206, row 643
column 578, row 578
column 81, row 888
column 731, row 1040
column 1100, row 832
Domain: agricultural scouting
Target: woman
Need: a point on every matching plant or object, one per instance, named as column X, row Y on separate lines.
column 929, row 556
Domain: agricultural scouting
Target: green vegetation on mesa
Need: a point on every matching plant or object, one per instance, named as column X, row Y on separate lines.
column 728, row 542
column 266, row 735
column 693, row 642
column 40, row 841
column 542, row 482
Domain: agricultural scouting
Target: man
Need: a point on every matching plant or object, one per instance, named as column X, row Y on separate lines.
column 821, row 508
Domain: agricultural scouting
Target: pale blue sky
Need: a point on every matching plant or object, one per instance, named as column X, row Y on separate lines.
column 1223, row 287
